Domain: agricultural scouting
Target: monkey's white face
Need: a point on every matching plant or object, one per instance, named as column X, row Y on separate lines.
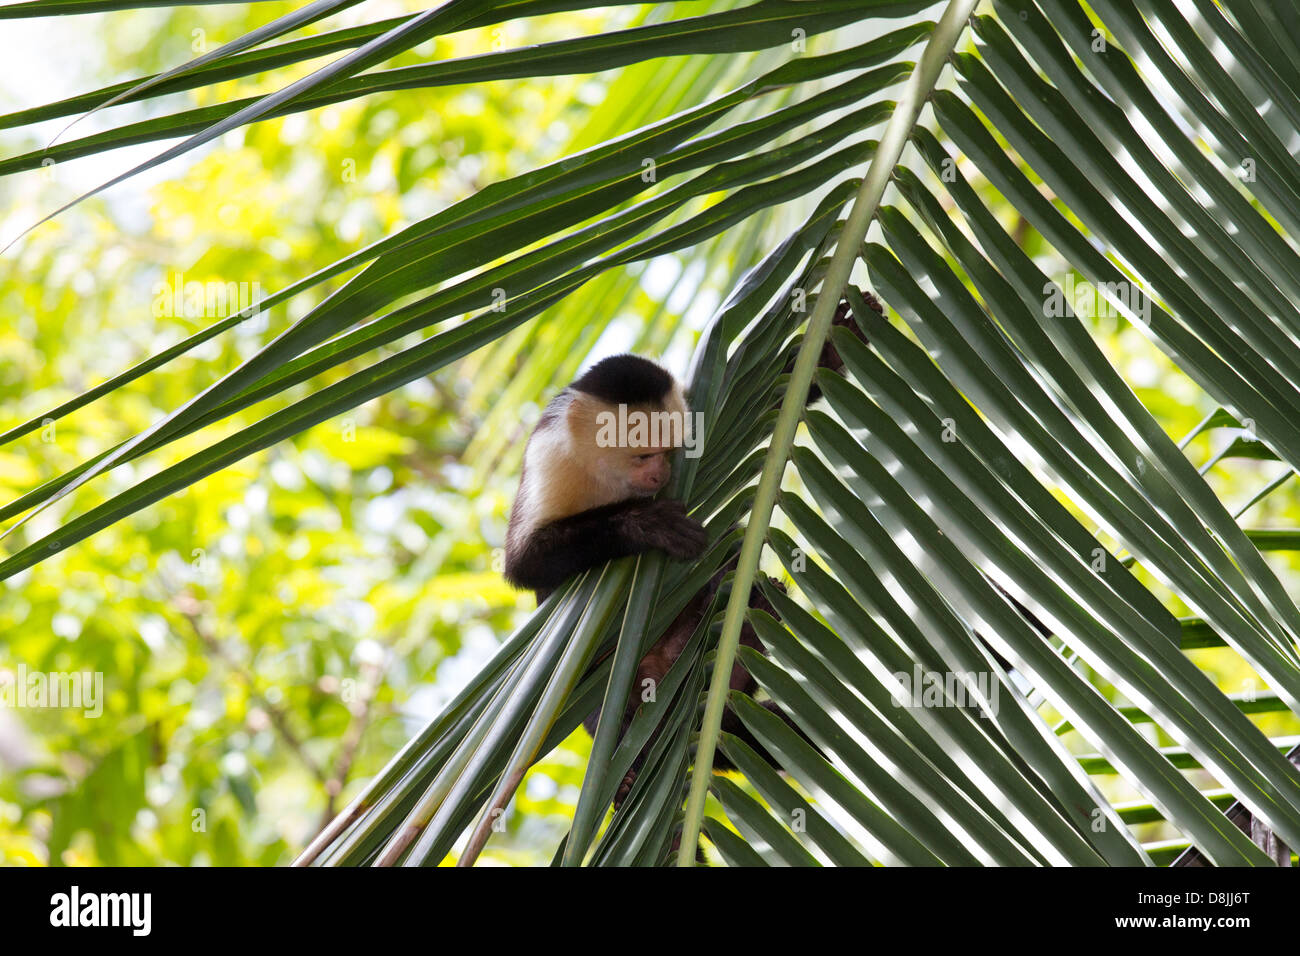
column 646, row 471
column 601, row 454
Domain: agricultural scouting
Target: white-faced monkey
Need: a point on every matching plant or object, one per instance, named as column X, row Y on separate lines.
column 586, row 496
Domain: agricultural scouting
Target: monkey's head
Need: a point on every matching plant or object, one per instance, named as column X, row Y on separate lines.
column 627, row 415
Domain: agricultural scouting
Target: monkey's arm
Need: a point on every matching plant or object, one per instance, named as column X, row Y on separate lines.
column 555, row 552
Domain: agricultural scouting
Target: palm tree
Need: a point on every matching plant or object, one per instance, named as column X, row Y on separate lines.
column 985, row 528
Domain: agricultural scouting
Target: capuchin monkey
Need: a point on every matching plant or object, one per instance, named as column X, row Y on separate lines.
column 585, row 498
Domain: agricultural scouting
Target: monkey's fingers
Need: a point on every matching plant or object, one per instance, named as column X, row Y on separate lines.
column 830, row 357
column 757, row 599
column 685, row 540
column 676, row 533
column 624, row 789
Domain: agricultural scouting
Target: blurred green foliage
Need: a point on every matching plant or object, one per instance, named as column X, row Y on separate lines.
column 271, row 635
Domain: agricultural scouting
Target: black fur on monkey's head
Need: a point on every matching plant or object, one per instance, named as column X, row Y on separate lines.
column 626, row 379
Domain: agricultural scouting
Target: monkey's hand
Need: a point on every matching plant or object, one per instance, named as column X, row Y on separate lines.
column 664, row 524
column 624, row 788
column 830, row 357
